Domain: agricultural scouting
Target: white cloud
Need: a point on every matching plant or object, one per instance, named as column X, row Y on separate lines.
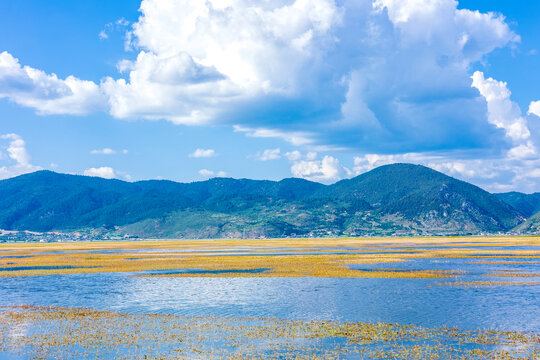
column 47, row 93
column 17, row 156
column 327, row 170
column 110, row 27
column 513, row 170
column 105, row 151
column 107, row 172
column 311, row 155
column 244, row 40
column 296, row 138
column 103, row 172
column 534, row 108
column 121, row 22
column 203, row 153
column 378, row 76
column 205, row 173
column 17, row 149
column 379, row 62
column 269, row 154
column 524, row 151
column 172, row 86
column 502, row 112
column 294, row 155
column 468, row 34
column 108, row 151
column 463, row 168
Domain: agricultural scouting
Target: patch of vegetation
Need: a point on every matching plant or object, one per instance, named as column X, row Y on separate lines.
column 64, row 333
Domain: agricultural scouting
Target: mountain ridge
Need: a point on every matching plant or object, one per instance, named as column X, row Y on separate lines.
column 526, row 204
column 397, row 199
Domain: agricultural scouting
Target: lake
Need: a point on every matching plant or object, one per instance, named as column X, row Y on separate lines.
column 470, row 285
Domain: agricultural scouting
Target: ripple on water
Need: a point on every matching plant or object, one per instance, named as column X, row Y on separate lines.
column 406, row 301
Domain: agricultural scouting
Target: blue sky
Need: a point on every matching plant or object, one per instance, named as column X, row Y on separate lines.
column 319, row 89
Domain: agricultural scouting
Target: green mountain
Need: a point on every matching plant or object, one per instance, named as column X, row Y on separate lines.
column 426, row 199
column 531, row 226
column 526, row 204
column 399, row 199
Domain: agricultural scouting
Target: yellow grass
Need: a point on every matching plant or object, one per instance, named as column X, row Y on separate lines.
column 155, row 255
column 39, row 333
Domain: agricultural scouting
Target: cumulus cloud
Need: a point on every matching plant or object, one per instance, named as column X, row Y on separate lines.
column 534, row 108
column 269, row 154
column 244, row 40
column 294, row 155
column 17, row 156
column 173, row 87
column 203, row 153
column 326, row 170
column 369, row 74
column 47, row 93
column 106, row 172
column 502, row 112
column 102, row 172
column 205, row 173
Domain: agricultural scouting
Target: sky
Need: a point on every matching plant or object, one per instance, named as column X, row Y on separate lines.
column 324, row 90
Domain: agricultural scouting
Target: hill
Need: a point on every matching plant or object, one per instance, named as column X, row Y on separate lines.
column 530, row 226
column 399, row 199
column 426, row 199
column 526, row 204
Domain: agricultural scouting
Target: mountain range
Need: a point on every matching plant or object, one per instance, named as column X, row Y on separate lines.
column 398, row 199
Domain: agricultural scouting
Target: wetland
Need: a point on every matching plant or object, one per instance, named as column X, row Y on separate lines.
column 351, row 298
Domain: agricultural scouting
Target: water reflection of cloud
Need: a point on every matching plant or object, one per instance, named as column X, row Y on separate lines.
column 406, row 301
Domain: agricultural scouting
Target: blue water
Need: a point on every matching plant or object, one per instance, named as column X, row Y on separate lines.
column 198, row 271
column 418, row 302
column 406, row 301
column 468, row 266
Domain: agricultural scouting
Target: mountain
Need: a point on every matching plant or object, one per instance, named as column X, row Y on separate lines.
column 531, row 226
column 426, row 199
column 526, row 204
column 398, row 199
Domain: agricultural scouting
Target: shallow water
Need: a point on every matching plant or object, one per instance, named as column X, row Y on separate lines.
column 197, row 271
column 406, row 301
column 420, row 302
column 468, row 267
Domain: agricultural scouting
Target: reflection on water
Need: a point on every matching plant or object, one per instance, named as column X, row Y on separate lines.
column 405, row 301
column 198, row 271
column 467, row 266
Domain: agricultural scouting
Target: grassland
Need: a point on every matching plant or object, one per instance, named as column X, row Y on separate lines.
column 268, row 258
